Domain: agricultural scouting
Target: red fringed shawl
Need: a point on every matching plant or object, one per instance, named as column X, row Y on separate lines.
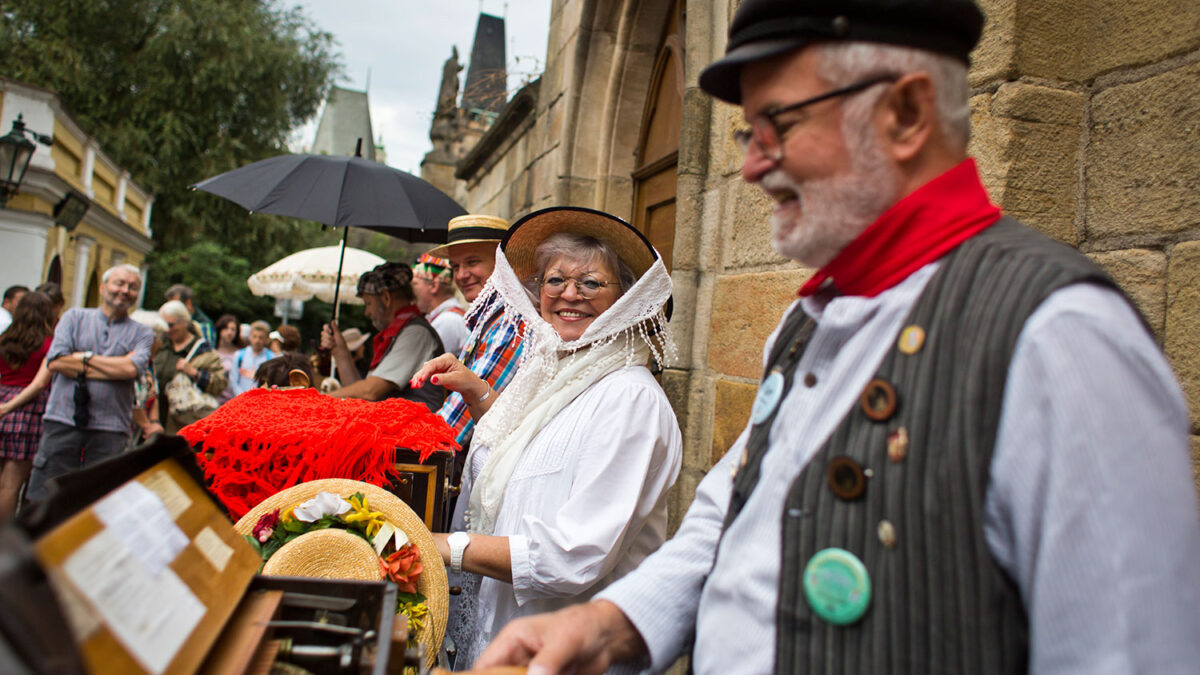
column 264, row 441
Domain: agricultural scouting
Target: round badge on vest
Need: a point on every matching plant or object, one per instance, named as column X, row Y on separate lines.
column 911, row 340
column 765, row 402
column 837, row 586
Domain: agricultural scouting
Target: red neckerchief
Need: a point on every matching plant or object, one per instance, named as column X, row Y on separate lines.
column 915, row 231
column 383, row 341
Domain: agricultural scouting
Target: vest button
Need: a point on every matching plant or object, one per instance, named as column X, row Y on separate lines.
column 846, row 478
column 878, row 400
column 810, row 380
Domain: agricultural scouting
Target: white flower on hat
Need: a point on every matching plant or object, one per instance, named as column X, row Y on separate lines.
column 324, row 504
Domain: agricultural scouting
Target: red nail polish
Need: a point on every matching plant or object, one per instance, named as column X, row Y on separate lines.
column 434, row 379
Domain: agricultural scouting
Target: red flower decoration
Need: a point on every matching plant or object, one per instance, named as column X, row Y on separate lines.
column 266, row 526
column 403, row 567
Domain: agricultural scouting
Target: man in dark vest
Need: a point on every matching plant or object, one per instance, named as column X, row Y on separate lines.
column 403, row 343
column 967, row 453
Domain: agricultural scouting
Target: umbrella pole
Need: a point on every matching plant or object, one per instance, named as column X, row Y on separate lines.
column 337, row 305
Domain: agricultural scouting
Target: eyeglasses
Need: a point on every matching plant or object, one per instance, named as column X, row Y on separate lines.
column 587, row 287
column 767, row 133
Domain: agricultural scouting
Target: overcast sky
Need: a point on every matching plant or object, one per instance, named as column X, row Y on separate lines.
column 403, row 43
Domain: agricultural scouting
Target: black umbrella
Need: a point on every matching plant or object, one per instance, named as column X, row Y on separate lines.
column 342, row 192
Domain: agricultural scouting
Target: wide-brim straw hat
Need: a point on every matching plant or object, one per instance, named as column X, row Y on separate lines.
column 471, row 229
column 523, row 238
column 521, row 242
column 337, row 554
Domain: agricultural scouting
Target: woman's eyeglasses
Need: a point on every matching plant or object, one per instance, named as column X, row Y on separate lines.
column 587, row 287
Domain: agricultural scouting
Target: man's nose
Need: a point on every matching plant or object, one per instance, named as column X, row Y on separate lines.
column 756, row 164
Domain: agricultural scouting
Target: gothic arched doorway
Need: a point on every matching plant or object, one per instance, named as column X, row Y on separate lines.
column 93, row 289
column 54, row 275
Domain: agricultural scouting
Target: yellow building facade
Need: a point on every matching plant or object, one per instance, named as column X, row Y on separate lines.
column 38, row 240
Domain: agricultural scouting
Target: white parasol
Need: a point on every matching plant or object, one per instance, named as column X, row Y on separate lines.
column 313, row 273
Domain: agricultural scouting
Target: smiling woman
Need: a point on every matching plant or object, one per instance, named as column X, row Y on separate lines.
column 569, row 465
column 579, row 278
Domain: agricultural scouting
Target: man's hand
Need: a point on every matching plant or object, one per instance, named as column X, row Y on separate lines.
column 151, row 429
column 331, row 338
column 580, row 639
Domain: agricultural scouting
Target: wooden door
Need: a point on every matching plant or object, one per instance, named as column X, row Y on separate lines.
column 655, row 175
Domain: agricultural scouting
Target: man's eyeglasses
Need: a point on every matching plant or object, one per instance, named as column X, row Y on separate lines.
column 587, row 287
column 767, row 133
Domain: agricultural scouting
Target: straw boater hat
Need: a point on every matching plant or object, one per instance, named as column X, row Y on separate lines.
column 337, row 554
column 471, row 229
column 521, row 242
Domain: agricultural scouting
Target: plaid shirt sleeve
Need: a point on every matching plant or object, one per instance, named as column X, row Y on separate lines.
column 494, row 358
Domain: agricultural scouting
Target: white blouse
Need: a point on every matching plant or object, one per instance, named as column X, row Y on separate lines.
column 585, row 504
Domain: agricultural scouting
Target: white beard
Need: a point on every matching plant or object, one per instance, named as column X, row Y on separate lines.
column 831, row 212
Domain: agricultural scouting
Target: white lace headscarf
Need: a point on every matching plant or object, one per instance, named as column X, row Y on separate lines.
column 552, row 371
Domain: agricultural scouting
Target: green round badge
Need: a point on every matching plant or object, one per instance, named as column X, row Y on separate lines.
column 837, row 586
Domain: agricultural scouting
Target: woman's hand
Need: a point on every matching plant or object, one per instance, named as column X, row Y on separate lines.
column 186, row 368
column 447, row 371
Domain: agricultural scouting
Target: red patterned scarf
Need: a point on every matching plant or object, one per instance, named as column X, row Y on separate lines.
column 914, row 232
column 381, row 343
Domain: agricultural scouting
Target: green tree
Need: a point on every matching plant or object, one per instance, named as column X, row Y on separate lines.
column 180, row 90
column 218, row 277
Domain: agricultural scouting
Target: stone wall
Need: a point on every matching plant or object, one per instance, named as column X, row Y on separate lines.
column 1086, row 117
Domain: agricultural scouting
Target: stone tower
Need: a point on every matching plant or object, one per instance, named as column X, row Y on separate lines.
column 456, row 128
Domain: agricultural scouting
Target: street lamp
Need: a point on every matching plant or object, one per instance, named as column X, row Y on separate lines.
column 15, row 152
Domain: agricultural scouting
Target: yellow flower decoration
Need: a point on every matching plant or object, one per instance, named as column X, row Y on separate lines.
column 416, row 612
column 360, row 512
column 286, row 516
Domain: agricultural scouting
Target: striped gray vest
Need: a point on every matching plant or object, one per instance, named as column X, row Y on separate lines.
column 939, row 602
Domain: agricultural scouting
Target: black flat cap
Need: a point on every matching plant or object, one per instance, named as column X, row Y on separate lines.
column 765, row 28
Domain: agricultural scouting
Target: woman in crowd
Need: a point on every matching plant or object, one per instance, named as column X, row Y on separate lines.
column 145, row 387
column 23, row 350
column 184, row 351
column 229, row 341
column 570, row 466
column 285, row 339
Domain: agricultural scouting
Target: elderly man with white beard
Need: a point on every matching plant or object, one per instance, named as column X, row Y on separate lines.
column 967, row 453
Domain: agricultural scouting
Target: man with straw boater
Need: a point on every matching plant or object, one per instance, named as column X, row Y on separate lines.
column 967, row 453
column 493, row 347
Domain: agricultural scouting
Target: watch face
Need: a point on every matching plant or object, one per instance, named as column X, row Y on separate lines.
column 459, row 539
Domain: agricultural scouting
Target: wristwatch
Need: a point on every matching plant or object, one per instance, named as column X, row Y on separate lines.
column 458, row 542
column 85, row 357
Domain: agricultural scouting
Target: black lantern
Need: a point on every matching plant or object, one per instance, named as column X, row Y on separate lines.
column 70, row 210
column 15, row 153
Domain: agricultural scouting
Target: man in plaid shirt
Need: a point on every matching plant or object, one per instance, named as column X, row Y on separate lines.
column 491, row 353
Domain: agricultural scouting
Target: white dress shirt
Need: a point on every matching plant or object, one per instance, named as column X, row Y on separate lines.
column 1090, row 506
column 451, row 326
column 585, row 504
